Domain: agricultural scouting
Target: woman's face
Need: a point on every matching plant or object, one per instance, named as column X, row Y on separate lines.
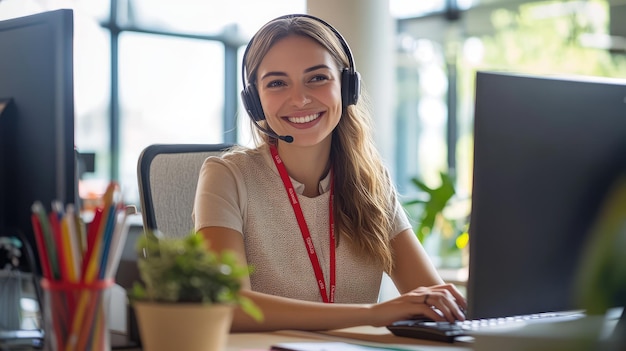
column 300, row 90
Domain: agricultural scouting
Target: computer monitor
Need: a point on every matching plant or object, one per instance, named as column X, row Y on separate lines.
column 37, row 155
column 546, row 150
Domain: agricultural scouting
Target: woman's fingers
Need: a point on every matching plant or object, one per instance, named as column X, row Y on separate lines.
column 439, row 303
column 458, row 297
column 445, row 299
column 444, row 302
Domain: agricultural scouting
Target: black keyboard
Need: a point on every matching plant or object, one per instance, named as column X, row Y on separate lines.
column 450, row 331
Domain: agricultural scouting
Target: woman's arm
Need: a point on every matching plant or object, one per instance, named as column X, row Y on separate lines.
column 412, row 266
column 286, row 313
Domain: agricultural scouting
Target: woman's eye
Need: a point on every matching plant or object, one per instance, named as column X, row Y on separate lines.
column 319, row 78
column 275, row 83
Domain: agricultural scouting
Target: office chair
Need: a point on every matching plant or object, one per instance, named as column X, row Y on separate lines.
column 168, row 176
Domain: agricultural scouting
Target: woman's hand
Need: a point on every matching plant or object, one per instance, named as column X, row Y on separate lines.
column 438, row 302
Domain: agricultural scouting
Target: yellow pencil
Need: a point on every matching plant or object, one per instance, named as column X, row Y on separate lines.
column 74, row 240
column 68, row 249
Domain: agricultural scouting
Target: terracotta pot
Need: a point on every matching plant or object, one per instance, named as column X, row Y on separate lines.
column 189, row 327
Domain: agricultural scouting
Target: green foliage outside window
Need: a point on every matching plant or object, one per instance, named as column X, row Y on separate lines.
column 553, row 37
column 544, row 37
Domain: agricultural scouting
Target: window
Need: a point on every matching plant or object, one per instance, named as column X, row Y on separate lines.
column 438, row 58
column 154, row 71
column 171, row 91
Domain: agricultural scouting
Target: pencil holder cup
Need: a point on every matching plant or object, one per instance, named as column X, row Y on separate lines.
column 76, row 315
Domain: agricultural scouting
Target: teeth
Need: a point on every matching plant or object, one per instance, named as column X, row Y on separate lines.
column 303, row 119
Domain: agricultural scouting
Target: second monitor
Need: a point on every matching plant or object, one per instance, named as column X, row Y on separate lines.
column 546, row 151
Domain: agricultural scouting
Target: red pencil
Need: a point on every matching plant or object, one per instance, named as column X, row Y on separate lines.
column 92, row 233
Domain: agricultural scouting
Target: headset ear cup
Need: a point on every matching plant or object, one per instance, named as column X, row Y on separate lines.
column 252, row 102
column 350, row 87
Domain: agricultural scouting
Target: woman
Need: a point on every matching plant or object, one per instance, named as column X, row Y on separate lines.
column 312, row 208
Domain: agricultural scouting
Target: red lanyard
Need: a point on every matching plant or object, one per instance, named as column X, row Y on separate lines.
column 306, row 235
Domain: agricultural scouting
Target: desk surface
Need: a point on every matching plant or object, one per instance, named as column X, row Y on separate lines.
column 540, row 336
column 368, row 336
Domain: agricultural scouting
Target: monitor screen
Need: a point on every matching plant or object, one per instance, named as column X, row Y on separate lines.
column 546, row 150
column 37, row 157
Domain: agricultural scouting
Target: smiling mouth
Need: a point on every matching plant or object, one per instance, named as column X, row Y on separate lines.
column 304, row 119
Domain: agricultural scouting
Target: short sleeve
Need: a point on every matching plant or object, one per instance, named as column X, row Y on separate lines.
column 219, row 196
column 401, row 220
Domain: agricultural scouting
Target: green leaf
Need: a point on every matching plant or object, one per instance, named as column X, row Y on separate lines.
column 251, row 308
column 436, row 200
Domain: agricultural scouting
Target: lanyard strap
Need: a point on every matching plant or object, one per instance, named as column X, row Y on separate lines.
column 304, row 229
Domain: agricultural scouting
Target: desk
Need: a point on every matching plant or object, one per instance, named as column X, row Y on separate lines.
column 577, row 334
column 559, row 335
column 357, row 335
column 532, row 337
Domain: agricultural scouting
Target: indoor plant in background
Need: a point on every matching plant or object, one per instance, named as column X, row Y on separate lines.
column 443, row 221
column 187, row 295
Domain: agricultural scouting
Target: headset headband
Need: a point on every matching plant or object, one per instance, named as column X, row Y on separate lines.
column 350, row 78
column 342, row 41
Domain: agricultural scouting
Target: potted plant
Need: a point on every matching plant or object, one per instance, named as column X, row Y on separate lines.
column 187, row 295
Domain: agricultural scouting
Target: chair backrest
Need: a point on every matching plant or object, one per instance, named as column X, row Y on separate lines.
column 168, row 176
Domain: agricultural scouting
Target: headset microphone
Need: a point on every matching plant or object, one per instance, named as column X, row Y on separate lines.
column 285, row 138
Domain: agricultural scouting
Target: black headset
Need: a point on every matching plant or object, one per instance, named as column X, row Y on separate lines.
column 350, row 78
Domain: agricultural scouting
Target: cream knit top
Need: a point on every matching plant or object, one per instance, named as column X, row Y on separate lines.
column 243, row 191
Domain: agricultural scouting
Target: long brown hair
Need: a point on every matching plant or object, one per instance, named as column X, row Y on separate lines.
column 364, row 201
